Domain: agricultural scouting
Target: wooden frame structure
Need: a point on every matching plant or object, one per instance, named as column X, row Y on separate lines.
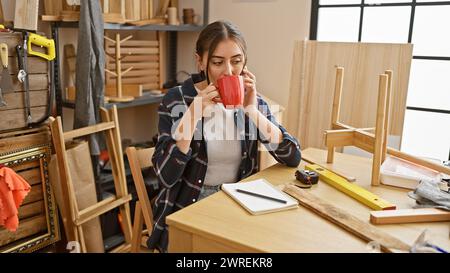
column 140, row 159
column 110, row 127
column 375, row 143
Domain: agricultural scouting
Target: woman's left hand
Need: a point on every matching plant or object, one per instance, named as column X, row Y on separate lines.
column 250, row 100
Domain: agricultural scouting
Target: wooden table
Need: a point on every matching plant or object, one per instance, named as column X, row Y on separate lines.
column 218, row 224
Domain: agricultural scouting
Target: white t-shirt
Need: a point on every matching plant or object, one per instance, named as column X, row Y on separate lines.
column 223, row 146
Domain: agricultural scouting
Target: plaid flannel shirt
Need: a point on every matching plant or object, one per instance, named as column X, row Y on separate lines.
column 181, row 176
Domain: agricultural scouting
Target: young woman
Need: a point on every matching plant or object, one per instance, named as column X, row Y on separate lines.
column 201, row 144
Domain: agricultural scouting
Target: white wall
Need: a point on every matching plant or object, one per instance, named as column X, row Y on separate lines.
column 270, row 28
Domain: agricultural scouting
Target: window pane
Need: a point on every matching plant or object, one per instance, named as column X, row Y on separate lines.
column 386, row 1
column 339, row 2
column 386, row 24
column 430, row 34
column 338, row 24
column 429, row 84
column 426, row 134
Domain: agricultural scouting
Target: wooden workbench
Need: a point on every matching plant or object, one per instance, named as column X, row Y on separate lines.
column 218, row 224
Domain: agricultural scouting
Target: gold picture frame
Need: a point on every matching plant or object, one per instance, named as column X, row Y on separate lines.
column 37, row 159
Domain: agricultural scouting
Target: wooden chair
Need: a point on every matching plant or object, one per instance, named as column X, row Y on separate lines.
column 140, row 159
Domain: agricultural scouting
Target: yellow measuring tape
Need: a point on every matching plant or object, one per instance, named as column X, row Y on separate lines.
column 362, row 195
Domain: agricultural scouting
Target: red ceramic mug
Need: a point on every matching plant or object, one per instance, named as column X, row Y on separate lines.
column 231, row 90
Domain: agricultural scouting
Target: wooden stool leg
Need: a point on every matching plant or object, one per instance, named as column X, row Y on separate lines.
column 336, row 106
column 379, row 131
column 387, row 114
column 137, row 229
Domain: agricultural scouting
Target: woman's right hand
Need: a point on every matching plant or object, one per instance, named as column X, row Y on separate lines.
column 209, row 96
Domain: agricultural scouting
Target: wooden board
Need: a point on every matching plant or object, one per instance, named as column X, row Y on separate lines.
column 313, row 84
column 70, row 58
column 404, row 216
column 132, row 10
column 26, row 14
column 53, row 7
column 347, row 221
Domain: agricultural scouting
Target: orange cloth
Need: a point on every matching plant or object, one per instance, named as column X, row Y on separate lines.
column 13, row 189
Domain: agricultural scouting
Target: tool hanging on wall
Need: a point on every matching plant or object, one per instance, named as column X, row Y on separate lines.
column 25, row 49
column 22, row 76
column 6, row 85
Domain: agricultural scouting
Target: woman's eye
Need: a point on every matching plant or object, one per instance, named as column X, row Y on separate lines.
column 217, row 63
column 237, row 61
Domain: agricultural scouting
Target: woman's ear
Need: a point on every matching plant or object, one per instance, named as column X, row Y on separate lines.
column 199, row 62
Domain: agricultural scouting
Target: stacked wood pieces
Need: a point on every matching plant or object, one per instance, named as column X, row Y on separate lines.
column 114, row 11
column 146, row 57
column 13, row 114
column 37, row 212
column 59, row 10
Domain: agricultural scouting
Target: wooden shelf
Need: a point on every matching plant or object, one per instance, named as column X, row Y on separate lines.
column 144, row 100
column 109, row 26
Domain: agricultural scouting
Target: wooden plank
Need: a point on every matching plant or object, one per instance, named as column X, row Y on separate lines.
column 26, row 228
column 339, row 138
column 144, row 10
column 18, row 142
column 151, row 86
column 32, row 176
column 15, row 119
column 70, row 58
column 52, row 7
column 136, row 58
column 89, row 130
column 162, row 38
column 153, row 21
column 132, row 12
column 35, row 194
column 37, row 82
column 36, row 65
column 95, row 210
column 137, row 51
column 347, row 221
column 135, row 65
column 404, row 216
column 26, row 15
column 136, row 43
column 26, row 166
column 379, row 131
column 15, row 100
column 32, row 209
column 141, row 80
column 133, row 90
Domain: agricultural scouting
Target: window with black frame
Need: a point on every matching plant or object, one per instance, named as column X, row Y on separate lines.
column 425, row 24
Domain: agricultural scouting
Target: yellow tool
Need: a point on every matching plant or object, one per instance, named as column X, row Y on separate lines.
column 41, row 41
column 362, row 195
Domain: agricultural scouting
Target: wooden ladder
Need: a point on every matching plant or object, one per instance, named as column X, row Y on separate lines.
column 110, row 127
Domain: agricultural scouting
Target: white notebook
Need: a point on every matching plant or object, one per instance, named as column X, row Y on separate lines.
column 257, row 205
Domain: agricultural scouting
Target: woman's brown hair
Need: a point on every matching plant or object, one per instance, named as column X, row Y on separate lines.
column 215, row 33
